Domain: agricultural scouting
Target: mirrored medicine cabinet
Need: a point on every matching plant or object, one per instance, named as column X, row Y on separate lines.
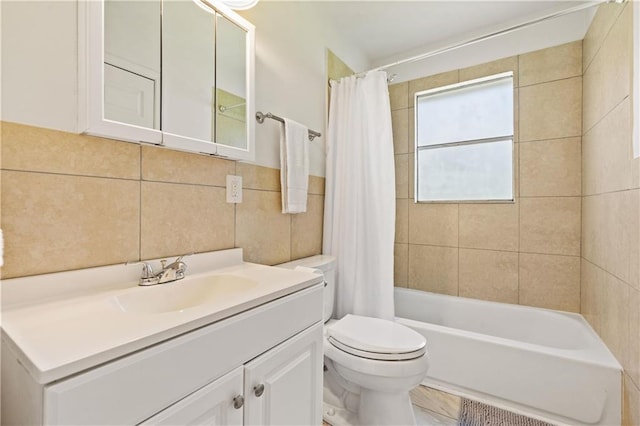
column 177, row 73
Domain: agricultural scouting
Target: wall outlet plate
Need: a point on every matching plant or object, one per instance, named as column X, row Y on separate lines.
column 234, row 189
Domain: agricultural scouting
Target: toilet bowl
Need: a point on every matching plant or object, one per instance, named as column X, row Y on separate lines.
column 371, row 364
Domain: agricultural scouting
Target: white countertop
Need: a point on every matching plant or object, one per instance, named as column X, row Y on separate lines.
column 55, row 336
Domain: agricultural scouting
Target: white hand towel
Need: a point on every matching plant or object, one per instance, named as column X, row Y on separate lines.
column 294, row 166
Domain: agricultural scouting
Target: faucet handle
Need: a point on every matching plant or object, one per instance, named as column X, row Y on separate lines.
column 147, row 269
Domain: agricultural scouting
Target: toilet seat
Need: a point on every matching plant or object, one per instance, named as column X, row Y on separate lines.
column 376, row 339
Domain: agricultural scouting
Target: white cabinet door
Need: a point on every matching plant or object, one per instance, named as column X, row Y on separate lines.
column 218, row 403
column 284, row 385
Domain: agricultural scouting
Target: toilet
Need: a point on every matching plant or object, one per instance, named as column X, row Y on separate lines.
column 370, row 364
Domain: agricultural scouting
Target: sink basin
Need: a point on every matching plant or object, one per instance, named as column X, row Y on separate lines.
column 180, row 295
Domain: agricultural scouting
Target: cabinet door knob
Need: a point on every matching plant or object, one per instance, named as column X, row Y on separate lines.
column 238, row 402
column 258, row 390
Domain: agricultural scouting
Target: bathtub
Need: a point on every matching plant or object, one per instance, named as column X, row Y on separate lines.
column 546, row 364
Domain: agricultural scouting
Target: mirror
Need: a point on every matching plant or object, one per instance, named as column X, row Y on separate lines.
column 177, row 73
column 132, row 62
column 231, row 88
column 188, row 70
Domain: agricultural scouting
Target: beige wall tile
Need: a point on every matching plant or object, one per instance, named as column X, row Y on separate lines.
column 433, row 269
column 166, row 165
column 430, row 82
column 631, row 403
column 400, row 264
column 615, row 319
column 400, row 125
column 634, row 238
column 592, row 286
column 59, row 223
column 412, row 132
column 306, row 229
column 30, row 148
column 412, row 179
column 489, row 226
column 258, row 177
column 607, row 81
column 433, row 224
column 489, row 275
column 402, row 220
column 633, row 365
column 178, row 219
column 402, row 175
column 591, row 235
column 490, row 68
column 548, row 281
column 554, row 63
column 601, row 24
column 399, row 95
column 550, row 225
column 607, row 157
column 550, row 168
column 516, row 115
column 316, row 185
column 516, row 170
column 609, row 240
column 261, row 229
column 551, row 110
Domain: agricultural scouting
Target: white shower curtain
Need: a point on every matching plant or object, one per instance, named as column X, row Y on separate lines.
column 359, row 214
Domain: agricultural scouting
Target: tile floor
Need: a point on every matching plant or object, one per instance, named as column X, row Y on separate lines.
column 433, row 407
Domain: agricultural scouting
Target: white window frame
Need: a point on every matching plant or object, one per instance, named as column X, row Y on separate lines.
column 469, row 142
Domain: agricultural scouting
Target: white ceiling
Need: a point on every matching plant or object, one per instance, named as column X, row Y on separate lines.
column 387, row 29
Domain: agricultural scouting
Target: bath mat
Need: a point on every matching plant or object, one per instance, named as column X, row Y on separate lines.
column 474, row 413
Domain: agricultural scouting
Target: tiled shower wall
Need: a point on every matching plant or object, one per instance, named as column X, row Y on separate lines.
column 526, row 252
column 74, row 201
column 611, row 196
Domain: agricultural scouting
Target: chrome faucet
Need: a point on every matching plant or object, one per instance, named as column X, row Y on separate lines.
column 171, row 272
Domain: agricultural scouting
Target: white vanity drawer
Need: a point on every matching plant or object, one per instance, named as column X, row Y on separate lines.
column 133, row 388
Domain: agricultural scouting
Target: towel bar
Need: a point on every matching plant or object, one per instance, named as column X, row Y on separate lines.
column 260, row 116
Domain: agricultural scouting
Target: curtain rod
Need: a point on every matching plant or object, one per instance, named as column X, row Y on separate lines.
column 489, row 36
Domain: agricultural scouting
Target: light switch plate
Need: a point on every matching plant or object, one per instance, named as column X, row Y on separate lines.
column 234, row 189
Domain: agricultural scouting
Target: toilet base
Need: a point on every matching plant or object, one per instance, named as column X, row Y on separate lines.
column 337, row 416
column 379, row 408
column 367, row 408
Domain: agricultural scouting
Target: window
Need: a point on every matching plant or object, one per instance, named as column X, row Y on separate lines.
column 464, row 141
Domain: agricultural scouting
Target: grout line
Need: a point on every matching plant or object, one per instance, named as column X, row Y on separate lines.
column 604, row 116
column 617, row 191
column 608, row 272
column 550, row 139
column 549, row 81
column 137, row 179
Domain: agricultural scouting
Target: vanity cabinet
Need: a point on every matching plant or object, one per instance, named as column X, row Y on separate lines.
column 215, row 404
column 176, row 73
column 277, row 388
column 262, row 366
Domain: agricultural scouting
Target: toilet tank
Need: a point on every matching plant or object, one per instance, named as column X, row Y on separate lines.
column 326, row 264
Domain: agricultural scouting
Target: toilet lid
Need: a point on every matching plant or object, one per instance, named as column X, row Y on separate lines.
column 376, row 338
